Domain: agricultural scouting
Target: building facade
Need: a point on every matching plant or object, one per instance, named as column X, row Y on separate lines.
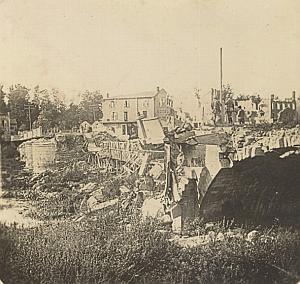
column 120, row 113
column 4, row 124
column 278, row 106
column 264, row 110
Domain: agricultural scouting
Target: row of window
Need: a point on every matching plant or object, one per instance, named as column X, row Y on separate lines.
column 280, row 106
column 165, row 102
column 114, row 115
column 145, row 103
column 112, row 104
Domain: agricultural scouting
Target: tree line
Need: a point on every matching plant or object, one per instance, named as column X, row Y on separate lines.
column 41, row 107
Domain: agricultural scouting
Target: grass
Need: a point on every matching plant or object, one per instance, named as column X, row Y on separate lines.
column 117, row 247
column 121, row 249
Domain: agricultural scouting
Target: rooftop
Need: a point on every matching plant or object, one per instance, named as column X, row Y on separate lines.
column 147, row 94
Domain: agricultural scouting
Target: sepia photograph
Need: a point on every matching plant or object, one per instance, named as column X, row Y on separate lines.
column 147, row 141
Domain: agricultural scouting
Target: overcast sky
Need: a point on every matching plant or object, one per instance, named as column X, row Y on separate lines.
column 131, row 46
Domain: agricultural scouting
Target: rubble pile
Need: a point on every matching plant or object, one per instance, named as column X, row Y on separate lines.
column 69, row 141
column 104, row 136
column 255, row 142
column 211, row 236
column 72, row 187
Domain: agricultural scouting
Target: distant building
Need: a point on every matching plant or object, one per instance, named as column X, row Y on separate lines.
column 273, row 108
column 85, row 127
column 265, row 110
column 8, row 125
column 120, row 113
column 5, row 123
column 98, row 126
column 278, row 105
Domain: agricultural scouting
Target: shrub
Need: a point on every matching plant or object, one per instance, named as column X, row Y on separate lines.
column 122, row 249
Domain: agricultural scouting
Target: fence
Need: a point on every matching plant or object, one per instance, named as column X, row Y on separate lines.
column 28, row 134
column 122, row 151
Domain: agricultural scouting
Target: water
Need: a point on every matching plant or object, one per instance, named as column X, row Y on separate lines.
column 13, row 211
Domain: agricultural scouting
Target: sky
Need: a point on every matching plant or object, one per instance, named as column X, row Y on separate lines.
column 122, row 47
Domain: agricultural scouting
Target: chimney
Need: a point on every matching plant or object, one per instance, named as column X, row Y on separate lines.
column 157, row 88
column 107, row 95
column 294, row 95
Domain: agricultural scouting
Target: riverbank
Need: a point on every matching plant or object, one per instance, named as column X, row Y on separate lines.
column 117, row 248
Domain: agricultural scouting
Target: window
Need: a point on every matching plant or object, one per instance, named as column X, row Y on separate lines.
column 144, row 113
column 112, row 104
column 161, row 102
column 114, row 116
column 125, row 116
column 126, row 103
column 146, row 103
column 124, row 129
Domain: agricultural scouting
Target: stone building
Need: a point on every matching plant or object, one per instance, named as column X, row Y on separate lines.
column 120, row 113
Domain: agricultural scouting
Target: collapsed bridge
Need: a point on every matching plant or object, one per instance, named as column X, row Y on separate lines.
column 245, row 174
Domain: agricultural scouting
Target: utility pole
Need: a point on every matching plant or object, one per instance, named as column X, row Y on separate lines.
column 221, row 85
column 94, row 108
column 221, row 72
column 28, row 107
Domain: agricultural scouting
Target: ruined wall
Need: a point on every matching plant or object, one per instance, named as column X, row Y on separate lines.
column 25, row 150
column 43, row 155
column 38, row 155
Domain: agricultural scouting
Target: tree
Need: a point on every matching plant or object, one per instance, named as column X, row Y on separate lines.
column 72, row 116
column 91, row 106
column 51, row 109
column 37, row 99
column 3, row 106
column 18, row 98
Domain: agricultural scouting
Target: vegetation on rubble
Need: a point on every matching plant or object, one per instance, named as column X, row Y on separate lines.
column 58, row 193
column 121, row 249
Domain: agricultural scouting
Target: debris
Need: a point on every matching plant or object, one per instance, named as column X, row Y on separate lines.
column 98, row 194
column 220, row 237
column 91, row 203
column 166, row 219
column 105, row 204
column 89, row 187
column 80, row 218
column 152, row 208
column 252, row 236
column 191, row 241
column 124, row 189
column 156, row 171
